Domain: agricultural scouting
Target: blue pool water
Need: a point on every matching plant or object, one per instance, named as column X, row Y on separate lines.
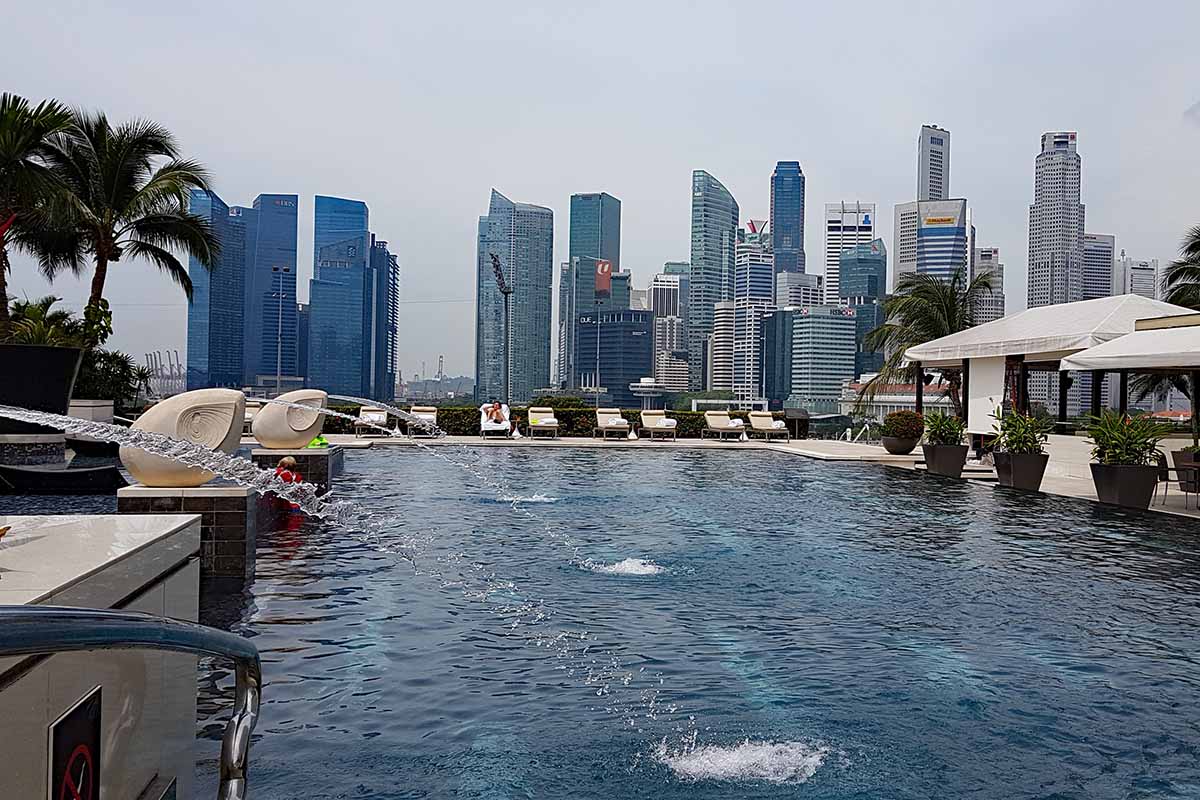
column 835, row 631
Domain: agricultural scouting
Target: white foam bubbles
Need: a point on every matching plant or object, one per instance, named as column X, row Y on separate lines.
column 774, row 762
column 533, row 498
column 629, row 566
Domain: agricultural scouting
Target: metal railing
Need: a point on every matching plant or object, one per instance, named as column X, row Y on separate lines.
column 44, row 630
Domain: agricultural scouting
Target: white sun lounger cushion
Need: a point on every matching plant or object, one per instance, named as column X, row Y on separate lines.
column 615, row 422
column 778, row 424
column 543, row 421
column 736, row 423
column 667, row 423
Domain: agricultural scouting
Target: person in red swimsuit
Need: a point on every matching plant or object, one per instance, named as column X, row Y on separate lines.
column 286, row 471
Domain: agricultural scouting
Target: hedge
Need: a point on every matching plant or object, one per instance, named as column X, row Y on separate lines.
column 460, row 421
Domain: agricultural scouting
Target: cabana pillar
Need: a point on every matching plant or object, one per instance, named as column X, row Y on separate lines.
column 1023, row 388
column 1124, row 390
column 964, row 387
column 1097, row 382
column 1064, row 384
column 919, row 380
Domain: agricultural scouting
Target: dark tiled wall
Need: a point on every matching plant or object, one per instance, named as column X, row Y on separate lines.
column 228, row 528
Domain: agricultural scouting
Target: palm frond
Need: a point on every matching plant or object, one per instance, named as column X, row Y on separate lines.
column 164, row 260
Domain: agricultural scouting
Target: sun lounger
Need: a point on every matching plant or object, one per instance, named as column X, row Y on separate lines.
column 425, row 414
column 370, row 419
column 542, row 421
column 763, row 423
column 656, row 423
column 718, row 423
column 489, row 427
column 609, row 420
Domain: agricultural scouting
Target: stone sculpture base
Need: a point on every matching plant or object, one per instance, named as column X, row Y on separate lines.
column 33, row 449
column 229, row 517
column 316, row 465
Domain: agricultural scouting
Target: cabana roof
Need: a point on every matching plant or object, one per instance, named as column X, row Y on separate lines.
column 1045, row 333
column 1172, row 349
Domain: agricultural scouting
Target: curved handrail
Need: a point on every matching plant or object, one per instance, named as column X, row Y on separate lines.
column 42, row 630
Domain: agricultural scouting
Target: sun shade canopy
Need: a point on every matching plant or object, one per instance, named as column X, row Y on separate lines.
column 1045, row 332
column 1162, row 349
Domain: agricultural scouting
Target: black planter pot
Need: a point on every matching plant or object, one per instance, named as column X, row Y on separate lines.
column 38, row 378
column 1189, row 481
column 1021, row 470
column 1124, row 485
column 945, row 459
column 898, row 446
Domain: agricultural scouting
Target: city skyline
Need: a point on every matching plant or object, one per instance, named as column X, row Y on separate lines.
column 423, row 185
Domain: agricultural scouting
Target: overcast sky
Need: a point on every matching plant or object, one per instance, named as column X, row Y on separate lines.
column 419, row 109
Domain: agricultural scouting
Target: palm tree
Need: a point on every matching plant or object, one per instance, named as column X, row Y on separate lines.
column 26, row 140
column 924, row 308
column 126, row 196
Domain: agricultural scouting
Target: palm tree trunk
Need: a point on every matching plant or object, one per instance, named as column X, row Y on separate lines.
column 98, row 281
column 4, row 318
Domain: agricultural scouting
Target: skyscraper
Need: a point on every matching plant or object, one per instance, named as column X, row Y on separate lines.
column 1056, row 228
column 932, row 237
column 777, row 330
column 595, row 234
column 381, row 323
column 715, row 217
column 669, row 304
column 270, row 345
column 338, row 296
column 933, row 163
column 522, row 237
column 1056, row 223
column 720, row 348
column 822, row 356
column 753, row 296
column 1136, row 277
column 625, row 354
column 799, row 289
column 242, row 325
column 1099, row 260
column 989, row 306
column 846, row 224
column 787, row 216
column 215, row 314
column 863, row 280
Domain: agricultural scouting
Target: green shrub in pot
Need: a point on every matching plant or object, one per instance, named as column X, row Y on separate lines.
column 1019, row 450
column 945, row 454
column 901, row 431
column 1127, row 457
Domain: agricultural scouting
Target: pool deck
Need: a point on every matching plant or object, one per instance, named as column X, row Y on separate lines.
column 1067, row 474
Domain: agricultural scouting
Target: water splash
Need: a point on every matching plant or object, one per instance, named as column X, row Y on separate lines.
column 630, row 566
column 575, row 652
column 537, row 497
column 774, row 762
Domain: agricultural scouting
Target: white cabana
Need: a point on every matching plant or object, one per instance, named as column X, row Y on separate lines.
column 1040, row 336
column 1171, row 349
column 1045, row 333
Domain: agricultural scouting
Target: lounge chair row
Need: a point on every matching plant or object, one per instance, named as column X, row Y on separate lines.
column 609, row 423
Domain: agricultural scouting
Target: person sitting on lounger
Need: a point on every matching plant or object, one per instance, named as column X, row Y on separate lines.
column 495, row 413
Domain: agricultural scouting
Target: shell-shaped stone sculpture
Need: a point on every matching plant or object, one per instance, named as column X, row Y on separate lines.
column 279, row 427
column 212, row 418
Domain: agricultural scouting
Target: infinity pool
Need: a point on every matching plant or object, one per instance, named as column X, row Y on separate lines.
column 820, row 630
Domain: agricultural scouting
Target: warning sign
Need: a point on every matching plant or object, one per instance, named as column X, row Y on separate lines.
column 75, row 751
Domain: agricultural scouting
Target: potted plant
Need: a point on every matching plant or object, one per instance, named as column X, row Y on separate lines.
column 945, row 454
column 1126, row 454
column 1020, row 455
column 901, row 431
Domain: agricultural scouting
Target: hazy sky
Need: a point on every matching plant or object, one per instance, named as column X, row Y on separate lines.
column 419, row 109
